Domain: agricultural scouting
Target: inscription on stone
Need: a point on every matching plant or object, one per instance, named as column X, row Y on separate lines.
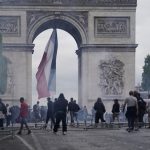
column 10, row 25
column 112, row 26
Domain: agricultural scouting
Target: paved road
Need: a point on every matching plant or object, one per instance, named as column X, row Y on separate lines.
column 92, row 139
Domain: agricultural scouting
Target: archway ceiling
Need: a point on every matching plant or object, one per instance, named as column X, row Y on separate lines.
column 60, row 24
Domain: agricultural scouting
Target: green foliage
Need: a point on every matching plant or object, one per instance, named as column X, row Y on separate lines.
column 146, row 74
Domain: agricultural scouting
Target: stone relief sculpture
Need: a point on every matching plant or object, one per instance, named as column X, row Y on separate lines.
column 3, row 70
column 10, row 80
column 112, row 76
column 6, row 74
column 33, row 17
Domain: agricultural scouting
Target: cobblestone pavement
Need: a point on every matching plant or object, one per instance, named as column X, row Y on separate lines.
column 79, row 139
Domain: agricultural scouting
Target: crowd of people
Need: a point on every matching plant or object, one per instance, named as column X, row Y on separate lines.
column 134, row 108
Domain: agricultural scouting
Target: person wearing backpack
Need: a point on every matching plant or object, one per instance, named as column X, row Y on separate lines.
column 76, row 109
column 50, row 113
column 116, row 110
column 100, row 110
column 36, row 112
column 3, row 112
column 141, row 108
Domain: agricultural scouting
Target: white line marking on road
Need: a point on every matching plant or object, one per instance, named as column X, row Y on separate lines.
column 25, row 143
column 5, row 137
column 36, row 142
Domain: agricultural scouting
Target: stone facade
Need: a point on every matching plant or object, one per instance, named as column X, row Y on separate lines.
column 103, row 29
column 93, row 3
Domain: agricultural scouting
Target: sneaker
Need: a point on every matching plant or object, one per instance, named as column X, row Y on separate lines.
column 19, row 133
column 45, row 126
column 64, row 133
column 35, row 125
column 29, row 132
column 136, row 129
column 54, row 132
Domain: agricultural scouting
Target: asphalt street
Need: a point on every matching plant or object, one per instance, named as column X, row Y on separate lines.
column 78, row 139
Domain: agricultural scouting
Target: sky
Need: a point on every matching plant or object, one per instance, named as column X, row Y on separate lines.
column 142, row 36
column 67, row 61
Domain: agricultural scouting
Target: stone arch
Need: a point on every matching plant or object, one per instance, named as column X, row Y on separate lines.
column 62, row 22
column 101, row 29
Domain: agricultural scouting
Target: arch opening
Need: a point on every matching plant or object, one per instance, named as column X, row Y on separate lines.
column 58, row 24
column 66, row 65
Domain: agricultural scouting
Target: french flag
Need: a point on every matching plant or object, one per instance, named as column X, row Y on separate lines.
column 46, row 74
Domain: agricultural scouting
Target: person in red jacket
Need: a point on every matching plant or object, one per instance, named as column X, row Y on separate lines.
column 23, row 116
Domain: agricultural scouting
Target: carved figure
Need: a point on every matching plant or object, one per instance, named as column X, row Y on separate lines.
column 111, row 77
column 3, row 70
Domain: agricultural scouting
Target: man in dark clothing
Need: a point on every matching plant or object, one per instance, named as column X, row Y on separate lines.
column 3, row 112
column 36, row 112
column 132, row 110
column 71, row 110
column 100, row 110
column 60, row 109
column 116, row 109
column 141, row 108
column 76, row 109
column 50, row 112
column 8, row 115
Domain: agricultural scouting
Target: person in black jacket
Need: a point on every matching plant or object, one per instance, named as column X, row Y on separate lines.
column 60, row 109
column 50, row 112
column 141, row 108
column 3, row 112
column 100, row 110
column 76, row 109
column 71, row 110
column 116, row 109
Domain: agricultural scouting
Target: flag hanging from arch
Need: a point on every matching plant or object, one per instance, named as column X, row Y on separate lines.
column 46, row 74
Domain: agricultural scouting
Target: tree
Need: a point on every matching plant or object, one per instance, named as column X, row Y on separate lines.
column 146, row 74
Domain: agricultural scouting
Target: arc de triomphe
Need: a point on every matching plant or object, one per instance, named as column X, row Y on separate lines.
column 103, row 29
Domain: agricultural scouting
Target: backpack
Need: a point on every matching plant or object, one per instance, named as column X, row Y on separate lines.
column 142, row 105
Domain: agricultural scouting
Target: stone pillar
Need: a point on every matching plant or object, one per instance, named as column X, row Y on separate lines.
column 19, row 73
column 106, row 71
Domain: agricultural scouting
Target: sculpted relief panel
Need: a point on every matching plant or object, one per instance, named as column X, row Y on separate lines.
column 112, row 26
column 102, row 3
column 34, row 16
column 112, row 76
column 6, row 74
column 10, row 25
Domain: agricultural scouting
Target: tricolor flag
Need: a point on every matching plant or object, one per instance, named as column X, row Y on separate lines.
column 46, row 74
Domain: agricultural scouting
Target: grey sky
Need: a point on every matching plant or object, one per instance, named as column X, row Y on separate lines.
column 67, row 65
column 67, row 61
column 142, row 36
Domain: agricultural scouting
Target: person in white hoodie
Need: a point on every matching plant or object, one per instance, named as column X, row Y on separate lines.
column 85, row 114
